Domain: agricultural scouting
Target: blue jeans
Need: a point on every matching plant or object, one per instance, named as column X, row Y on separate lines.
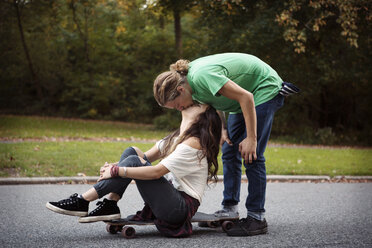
column 256, row 171
column 166, row 202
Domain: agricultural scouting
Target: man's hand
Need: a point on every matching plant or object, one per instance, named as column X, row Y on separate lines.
column 225, row 137
column 247, row 148
column 245, row 98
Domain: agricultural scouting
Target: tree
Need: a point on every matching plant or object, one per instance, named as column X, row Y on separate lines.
column 300, row 18
column 177, row 7
column 82, row 24
column 18, row 5
column 98, row 59
column 332, row 72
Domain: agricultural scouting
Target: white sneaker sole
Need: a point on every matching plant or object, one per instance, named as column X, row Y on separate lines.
column 99, row 218
column 66, row 212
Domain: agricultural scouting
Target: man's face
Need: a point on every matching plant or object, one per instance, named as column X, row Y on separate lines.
column 181, row 102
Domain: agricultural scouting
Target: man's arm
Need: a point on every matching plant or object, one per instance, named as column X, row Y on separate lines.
column 224, row 134
column 249, row 145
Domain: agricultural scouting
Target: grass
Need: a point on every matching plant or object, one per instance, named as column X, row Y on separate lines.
column 40, row 127
column 70, row 158
column 59, row 158
column 318, row 161
column 49, row 158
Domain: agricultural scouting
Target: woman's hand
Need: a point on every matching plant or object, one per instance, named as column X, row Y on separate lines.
column 105, row 172
column 225, row 137
column 247, row 148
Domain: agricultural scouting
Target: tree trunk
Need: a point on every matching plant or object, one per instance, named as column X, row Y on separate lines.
column 177, row 31
column 161, row 22
column 86, row 45
column 83, row 35
column 34, row 77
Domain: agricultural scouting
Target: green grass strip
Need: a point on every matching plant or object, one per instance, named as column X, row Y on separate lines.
column 318, row 161
column 33, row 159
column 41, row 127
column 70, row 158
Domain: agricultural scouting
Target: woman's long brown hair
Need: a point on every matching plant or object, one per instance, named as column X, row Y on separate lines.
column 207, row 128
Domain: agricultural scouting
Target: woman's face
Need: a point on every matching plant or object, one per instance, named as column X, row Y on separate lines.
column 193, row 111
column 181, row 102
column 190, row 115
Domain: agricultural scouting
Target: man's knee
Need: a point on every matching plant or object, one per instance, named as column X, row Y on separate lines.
column 230, row 152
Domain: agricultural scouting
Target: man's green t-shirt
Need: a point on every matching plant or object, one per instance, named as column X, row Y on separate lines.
column 207, row 75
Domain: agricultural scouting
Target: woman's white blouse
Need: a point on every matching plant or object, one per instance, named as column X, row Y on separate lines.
column 187, row 172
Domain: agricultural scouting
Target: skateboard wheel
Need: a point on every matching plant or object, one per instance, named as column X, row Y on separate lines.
column 213, row 224
column 119, row 228
column 111, row 229
column 203, row 224
column 128, row 232
column 227, row 225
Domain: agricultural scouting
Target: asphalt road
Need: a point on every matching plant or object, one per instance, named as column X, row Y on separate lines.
column 298, row 214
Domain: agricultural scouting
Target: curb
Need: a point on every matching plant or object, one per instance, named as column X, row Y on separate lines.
column 47, row 180
column 270, row 178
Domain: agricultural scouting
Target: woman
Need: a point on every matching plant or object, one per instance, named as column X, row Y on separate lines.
column 189, row 160
column 251, row 91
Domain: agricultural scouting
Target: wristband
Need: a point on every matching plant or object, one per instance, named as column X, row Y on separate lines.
column 114, row 171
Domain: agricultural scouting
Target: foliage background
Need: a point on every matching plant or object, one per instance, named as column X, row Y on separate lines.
column 97, row 59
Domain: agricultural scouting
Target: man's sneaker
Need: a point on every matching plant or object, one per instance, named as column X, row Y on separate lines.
column 248, row 227
column 106, row 210
column 74, row 206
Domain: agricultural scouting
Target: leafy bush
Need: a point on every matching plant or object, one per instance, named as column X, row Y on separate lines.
column 325, row 136
column 168, row 121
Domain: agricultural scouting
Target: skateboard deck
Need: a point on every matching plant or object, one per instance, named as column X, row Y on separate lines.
column 125, row 225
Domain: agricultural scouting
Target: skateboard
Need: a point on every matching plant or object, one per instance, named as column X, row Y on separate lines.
column 124, row 226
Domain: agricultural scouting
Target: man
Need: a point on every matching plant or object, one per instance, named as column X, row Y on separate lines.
column 251, row 91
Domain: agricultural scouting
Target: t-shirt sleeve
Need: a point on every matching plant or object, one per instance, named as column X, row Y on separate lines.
column 210, row 80
column 182, row 161
column 160, row 145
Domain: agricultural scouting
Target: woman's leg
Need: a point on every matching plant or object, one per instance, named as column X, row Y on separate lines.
column 90, row 195
column 118, row 185
column 127, row 152
column 78, row 206
column 165, row 201
column 108, row 209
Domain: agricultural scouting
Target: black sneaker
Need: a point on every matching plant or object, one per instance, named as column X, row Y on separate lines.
column 74, row 206
column 248, row 227
column 106, row 210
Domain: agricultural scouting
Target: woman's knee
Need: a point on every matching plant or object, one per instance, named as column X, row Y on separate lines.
column 127, row 152
column 133, row 161
column 138, row 151
column 133, row 150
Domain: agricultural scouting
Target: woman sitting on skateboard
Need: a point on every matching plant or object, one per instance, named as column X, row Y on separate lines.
column 172, row 189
